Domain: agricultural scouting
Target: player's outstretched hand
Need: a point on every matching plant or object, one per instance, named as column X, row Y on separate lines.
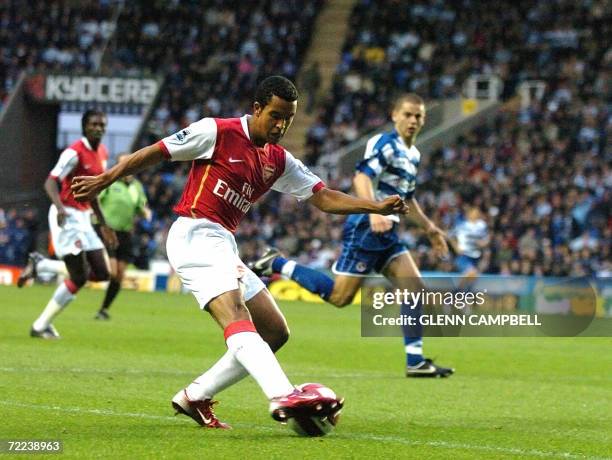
column 86, row 188
column 393, row 205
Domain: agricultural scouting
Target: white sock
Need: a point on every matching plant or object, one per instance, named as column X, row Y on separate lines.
column 287, row 270
column 52, row 266
column 221, row 375
column 61, row 297
column 257, row 358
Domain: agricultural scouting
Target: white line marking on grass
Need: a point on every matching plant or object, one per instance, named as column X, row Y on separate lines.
column 80, row 410
column 349, row 436
column 81, row 370
column 454, row 445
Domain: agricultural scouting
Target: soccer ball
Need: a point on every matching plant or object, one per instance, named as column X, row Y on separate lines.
column 316, row 425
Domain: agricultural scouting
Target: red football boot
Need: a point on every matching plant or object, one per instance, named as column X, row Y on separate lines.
column 201, row 411
column 303, row 403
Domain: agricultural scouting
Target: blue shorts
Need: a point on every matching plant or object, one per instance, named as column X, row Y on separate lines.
column 464, row 263
column 365, row 252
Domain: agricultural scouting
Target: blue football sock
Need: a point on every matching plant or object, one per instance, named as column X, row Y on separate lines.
column 313, row 280
column 277, row 264
column 413, row 336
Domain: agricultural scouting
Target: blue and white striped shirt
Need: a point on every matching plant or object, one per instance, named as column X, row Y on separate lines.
column 391, row 165
column 469, row 234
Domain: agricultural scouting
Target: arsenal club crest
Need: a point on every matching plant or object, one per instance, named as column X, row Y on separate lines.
column 268, row 172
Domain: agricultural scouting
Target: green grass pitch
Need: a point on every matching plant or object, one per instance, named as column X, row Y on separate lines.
column 104, row 389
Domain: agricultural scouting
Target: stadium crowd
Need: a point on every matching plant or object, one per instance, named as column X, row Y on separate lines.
column 543, row 220
column 18, row 232
column 541, row 174
column 214, row 53
column 431, row 48
column 52, row 36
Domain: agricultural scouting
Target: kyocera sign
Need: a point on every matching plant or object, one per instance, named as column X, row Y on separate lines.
column 66, row 88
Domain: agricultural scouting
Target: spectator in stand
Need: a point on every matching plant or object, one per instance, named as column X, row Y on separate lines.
column 51, row 36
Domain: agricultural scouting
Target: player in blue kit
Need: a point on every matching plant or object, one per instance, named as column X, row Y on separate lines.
column 371, row 243
column 470, row 238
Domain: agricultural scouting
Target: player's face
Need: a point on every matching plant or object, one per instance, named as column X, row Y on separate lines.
column 409, row 118
column 95, row 128
column 273, row 120
column 473, row 214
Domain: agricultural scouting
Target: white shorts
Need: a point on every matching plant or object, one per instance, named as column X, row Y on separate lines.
column 76, row 235
column 205, row 257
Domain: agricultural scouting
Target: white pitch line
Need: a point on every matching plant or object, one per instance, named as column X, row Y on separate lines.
column 82, row 370
column 80, row 410
column 357, row 437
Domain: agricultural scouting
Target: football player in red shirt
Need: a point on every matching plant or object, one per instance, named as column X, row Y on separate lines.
column 234, row 162
column 74, row 239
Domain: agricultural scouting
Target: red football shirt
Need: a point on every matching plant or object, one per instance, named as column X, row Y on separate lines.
column 78, row 160
column 229, row 173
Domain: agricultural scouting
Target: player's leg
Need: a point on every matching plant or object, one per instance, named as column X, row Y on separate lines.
column 63, row 295
column 67, row 242
column 339, row 291
column 403, row 272
column 273, row 262
column 112, row 289
column 37, row 264
column 214, row 281
column 270, row 324
column 467, row 266
column 98, row 265
column 268, row 319
column 345, row 288
column 118, row 261
column 256, row 356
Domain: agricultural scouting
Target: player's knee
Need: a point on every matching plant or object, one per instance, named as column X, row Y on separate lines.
column 101, row 274
column 79, row 280
column 281, row 337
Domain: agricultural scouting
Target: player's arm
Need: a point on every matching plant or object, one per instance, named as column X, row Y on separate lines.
column 300, row 182
column 146, row 212
column 52, row 190
column 108, row 234
column 336, row 202
column 66, row 163
column 436, row 236
column 362, row 183
column 196, row 142
column 86, row 188
column 143, row 206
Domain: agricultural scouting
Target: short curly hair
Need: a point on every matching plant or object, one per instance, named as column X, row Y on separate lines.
column 275, row 85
